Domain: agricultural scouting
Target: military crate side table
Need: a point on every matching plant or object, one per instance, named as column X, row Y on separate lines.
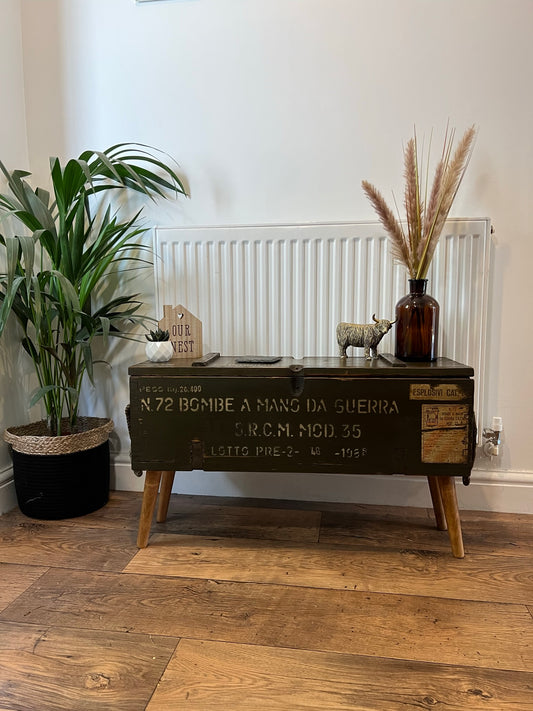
column 348, row 416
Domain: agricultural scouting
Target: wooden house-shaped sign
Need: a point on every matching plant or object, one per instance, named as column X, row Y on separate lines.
column 185, row 331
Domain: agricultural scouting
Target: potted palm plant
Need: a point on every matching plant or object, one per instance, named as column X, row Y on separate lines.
column 62, row 257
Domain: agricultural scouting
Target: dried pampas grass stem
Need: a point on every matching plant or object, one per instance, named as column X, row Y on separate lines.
column 425, row 216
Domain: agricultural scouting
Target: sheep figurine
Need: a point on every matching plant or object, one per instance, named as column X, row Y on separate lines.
column 362, row 335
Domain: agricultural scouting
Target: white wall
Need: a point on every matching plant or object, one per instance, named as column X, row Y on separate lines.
column 277, row 109
column 13, row 152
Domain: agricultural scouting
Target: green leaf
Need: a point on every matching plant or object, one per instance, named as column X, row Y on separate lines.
column 27, row 245
column 88, row 361
column 68, row 290
column 31, row 350
column 41, row 392
column 12, row 253
column 63, row 272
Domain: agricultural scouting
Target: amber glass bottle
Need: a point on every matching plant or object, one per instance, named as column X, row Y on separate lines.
column 417, row 324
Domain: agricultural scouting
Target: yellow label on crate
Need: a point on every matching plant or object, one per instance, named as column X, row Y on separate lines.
column 425, row 391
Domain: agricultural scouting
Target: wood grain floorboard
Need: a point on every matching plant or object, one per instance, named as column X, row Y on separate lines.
column 121, row 511
column 14, row 579
column 211, row 676
column 262, row 614
column 413, row 572
column 36, row 543
column 400, row 626
column 189, row 516
column 242, row 522
column 496, row 533
column 377, row 511
column 49, row 668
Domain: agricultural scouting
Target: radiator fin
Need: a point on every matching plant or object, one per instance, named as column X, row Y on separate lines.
column 281, row 289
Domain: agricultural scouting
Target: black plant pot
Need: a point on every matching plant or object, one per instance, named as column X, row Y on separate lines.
column 62, row 485
column 61, row 477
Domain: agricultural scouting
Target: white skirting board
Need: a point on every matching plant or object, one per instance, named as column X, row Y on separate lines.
column 510, row 492
column 8, row 499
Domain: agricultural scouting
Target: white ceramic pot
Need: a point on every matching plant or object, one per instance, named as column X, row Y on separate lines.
column 159, row 351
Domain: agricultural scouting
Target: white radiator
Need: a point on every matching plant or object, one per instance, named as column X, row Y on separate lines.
column 282, row 289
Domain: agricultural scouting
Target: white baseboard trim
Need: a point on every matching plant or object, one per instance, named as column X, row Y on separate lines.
column 510, row 492
column 8, row 498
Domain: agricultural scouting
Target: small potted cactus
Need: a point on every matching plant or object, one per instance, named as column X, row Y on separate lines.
column 159, row 348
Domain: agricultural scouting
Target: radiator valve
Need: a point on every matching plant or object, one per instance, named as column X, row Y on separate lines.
column 492, row 436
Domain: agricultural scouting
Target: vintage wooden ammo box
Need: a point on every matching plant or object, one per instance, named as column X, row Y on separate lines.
column 312, row 415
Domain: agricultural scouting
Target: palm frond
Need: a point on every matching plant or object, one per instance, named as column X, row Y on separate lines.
column 61, row 272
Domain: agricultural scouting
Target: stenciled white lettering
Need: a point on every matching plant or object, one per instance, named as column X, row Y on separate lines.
column 206, row 404
column 314, row 405
column 228, row 450
column 280, row 404
column 366, row 407
column 316, row 430
column 262, row 429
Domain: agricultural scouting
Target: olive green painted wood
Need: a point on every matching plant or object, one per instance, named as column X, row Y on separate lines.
column 314, row 415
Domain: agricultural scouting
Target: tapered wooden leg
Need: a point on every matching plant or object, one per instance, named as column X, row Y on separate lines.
column 451, row 512
column 436, row 499
column 164, row 496
column 151, row 487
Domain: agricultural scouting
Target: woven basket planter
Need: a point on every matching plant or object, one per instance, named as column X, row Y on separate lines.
column 61, row 477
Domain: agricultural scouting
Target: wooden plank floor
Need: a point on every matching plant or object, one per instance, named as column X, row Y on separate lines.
column 249, row 605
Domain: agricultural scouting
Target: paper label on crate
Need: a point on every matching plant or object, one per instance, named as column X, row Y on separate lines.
column 425, row 391
column 449, row 447
column 445, row 434
column 444, row 416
